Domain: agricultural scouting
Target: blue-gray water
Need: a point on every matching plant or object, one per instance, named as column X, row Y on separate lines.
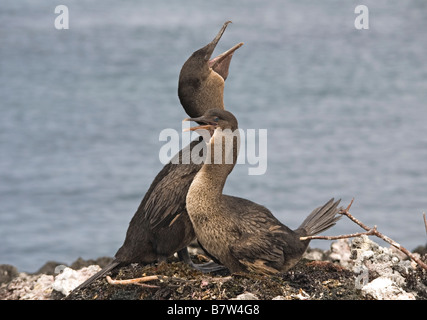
column 81, row 111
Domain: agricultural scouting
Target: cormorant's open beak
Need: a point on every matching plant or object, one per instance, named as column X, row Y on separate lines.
column 207, row 125
column 210, row 47
column 221, row 63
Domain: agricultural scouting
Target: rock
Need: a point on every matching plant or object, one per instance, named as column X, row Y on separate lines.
column 69, row 279
column 42, row 289
column 397, row 253
column 385, row 264
column 81, row 263
column 7, row 273
column 28, row 287
column 341, row 252
column 383, row 288
column 41, row 286
column 314, row 254
column 246, row 296
column 421, row 250
column 377, row 260
column 49, row 268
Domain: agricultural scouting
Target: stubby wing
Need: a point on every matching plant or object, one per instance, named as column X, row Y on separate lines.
column 165, row 199
column 260, row 247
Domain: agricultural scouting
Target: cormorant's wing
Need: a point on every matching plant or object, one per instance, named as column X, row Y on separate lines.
column 165, row 198
column 258, row 253
column 263, row 238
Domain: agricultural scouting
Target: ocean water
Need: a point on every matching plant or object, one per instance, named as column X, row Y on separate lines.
column 81, row 111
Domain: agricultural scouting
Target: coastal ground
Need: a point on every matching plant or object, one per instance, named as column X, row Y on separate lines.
column 351, row 270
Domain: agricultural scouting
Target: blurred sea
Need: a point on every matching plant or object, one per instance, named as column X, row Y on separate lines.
column 81, row 111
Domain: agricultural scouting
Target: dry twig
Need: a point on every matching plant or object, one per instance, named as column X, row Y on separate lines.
column 343, row 236
column 370, row 231
column 155, row 277
column 135, row 281
column 425, row 221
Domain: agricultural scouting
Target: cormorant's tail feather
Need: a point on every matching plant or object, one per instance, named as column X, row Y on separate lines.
column 97, row 275
column 321, row 218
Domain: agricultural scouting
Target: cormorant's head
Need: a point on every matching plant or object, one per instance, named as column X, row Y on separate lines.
column 223, row 140
column 201, row 80
column 213, row 119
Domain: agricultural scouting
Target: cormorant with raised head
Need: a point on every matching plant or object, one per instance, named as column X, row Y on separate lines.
column 161, row 226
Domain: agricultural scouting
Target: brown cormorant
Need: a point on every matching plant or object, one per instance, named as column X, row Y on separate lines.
column 238, row 233
column 161, row 226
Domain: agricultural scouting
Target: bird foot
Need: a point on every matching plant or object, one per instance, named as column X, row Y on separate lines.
column 208, row 267
column 203, row 267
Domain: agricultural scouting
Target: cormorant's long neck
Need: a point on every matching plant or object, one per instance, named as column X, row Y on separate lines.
column 210, row 95
column 222, row 152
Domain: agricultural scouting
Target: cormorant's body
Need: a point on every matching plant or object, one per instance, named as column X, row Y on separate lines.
column 238, row 233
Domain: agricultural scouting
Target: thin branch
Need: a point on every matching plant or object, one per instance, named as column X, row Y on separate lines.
column 371, row 231
column 425, row 220
column 343, row 236
column 149, row 278
column 135, row 281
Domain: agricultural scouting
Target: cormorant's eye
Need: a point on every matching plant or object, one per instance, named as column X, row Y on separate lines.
column 216, row 119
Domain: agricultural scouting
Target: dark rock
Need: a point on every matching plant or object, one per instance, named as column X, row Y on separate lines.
column 49, row 268
column 421, row 250
column 7, row 273
column 81, row 263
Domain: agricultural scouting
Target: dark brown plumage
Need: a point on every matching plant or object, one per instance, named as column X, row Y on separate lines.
column 201, row 80
column 161, row 226
column 238, row 233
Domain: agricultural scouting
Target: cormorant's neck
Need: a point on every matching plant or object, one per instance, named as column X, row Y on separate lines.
column 199, row 95
column 222, row 152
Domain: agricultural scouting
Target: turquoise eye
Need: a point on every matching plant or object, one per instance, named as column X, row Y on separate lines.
column 216, row 119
